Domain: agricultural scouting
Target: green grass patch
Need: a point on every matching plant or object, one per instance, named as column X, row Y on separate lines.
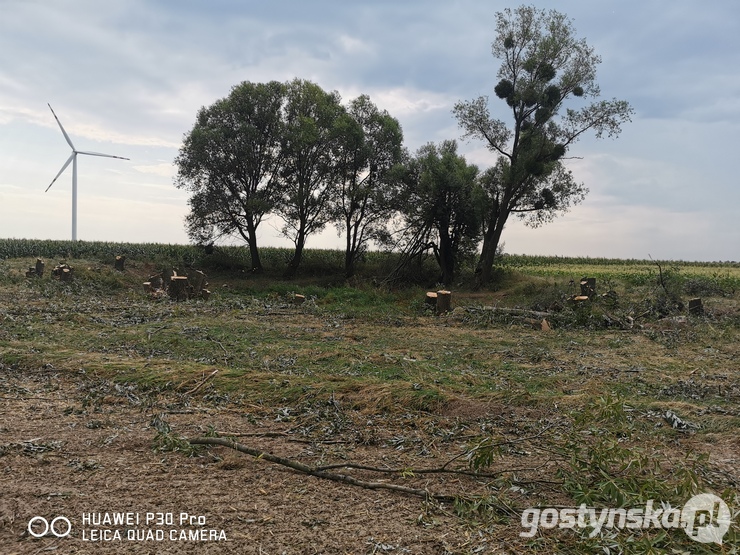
column 600, row 382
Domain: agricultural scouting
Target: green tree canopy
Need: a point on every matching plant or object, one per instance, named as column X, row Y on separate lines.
column 543, row 68
column 310, row 145
column 368, row 191
column 441, row 207
column 230, row 161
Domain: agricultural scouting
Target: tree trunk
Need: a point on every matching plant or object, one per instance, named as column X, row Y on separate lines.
column 295, row 261
column 491, row 238
column 254, row 253
column 446, row 257
column 349, row 256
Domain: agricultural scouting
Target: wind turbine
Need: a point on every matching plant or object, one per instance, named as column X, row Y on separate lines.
column 73, row 158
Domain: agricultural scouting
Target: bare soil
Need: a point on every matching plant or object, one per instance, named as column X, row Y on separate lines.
column 64, row 455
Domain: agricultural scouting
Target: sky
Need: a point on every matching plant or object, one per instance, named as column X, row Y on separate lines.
column 128, row 78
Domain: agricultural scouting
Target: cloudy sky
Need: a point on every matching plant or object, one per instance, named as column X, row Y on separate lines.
column 127, row 78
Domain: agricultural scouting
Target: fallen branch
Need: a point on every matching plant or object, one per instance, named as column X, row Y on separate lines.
column 288, row 437
column 202, row 383
column 27, row 398
column 313, row 471
column 435, row 470
column 517, row 312
column 252, row 434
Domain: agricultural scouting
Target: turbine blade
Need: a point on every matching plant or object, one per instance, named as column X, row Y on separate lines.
column 64, row 167
column 101, row 154
column 69, row 141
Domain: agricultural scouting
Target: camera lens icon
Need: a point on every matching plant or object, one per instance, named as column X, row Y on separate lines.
column 39, row 527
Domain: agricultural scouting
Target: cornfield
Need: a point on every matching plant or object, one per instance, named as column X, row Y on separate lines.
column 723, row 276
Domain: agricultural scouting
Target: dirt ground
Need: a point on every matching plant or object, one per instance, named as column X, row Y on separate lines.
column 67, row 453
column 83, row 448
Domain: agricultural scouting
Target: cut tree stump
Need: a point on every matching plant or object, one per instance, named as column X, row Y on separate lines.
column 695, row 307
column 588, row 287
column 37, row 270
column 167, row 275
column 431, row 300
column 120, row 263
column 156, row 282
column 63, row 272
column 179, row 288
column 299, row 299
column 444, row 302
column 197, row 280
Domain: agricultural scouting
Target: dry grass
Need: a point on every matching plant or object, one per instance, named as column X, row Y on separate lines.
column 364, row 375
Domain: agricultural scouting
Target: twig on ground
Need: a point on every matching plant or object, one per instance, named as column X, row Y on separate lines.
column 499, row 444
column 202, row 383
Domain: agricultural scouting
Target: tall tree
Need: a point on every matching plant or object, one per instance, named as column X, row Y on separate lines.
column 441, row 207
column 229, row 161
column 367, row 192
column 543, row 67
column 310, row 145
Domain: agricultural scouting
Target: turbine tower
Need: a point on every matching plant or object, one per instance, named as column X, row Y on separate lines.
column 73, row 158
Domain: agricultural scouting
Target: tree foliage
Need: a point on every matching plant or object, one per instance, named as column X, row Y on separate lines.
column 230, row 162
column 293, row 150
column 441, row 207
column 310, row 145
column 543, row 68
column 368, row 188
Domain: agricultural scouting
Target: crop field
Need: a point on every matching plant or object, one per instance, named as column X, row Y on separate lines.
column 359, row 421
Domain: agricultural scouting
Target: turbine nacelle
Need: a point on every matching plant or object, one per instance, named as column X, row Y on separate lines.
column 73, row 160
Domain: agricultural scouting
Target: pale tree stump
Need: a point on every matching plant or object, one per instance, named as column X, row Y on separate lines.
column 431, row 300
